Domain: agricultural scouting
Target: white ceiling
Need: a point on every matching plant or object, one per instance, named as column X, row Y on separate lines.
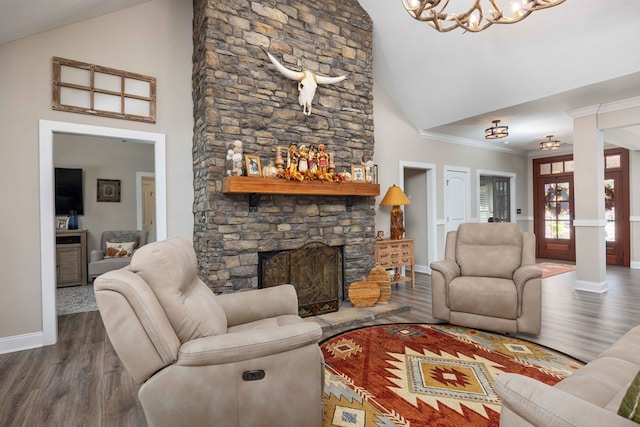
column 528, row 75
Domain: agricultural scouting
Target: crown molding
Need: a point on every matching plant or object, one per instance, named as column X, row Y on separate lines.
column 468, row 142
column 620, row 105
column 609, row 107
column 584, row 111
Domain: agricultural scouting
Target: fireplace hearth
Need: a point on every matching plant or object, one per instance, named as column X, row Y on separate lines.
column 315, row 270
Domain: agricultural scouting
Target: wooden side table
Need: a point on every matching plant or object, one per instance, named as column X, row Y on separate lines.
column 395, row 254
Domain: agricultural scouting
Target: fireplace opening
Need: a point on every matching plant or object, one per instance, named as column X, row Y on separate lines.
column 316, row 271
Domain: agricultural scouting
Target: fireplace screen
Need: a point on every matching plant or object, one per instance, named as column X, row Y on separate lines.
column 315, row 270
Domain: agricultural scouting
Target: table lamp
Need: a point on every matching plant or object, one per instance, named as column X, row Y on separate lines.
column 395, row 197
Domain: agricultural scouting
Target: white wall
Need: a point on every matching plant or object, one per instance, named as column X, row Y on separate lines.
column 397, row 141
column 152, row 39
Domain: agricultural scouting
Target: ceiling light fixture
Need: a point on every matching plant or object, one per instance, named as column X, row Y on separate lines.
column 549, row 144
column 495, row 131
column 473, row 19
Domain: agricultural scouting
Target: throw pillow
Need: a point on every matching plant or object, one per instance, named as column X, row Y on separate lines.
column 630, row 405
column 119, row 249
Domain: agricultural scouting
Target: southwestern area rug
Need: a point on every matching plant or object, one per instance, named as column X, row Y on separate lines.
column 426, row 375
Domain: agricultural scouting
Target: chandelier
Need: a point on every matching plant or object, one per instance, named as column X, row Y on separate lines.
column 475, row 18
column 495, row 131
column 549, row 144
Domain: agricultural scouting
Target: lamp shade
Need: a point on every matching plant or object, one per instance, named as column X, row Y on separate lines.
column 395, row 197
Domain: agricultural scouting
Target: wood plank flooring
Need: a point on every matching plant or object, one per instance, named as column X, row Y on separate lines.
column 81, row 382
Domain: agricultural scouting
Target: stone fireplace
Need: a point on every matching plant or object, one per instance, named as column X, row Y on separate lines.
column 238, row 95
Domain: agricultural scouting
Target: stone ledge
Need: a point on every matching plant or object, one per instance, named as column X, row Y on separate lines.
column 348, row 315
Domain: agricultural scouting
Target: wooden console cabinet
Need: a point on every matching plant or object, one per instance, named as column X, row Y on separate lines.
column 395, row 254
column 71, row 257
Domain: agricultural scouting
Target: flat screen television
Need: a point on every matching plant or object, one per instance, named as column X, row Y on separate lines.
column 68, row 184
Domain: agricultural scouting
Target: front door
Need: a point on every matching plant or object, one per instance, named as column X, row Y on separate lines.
column 554, row 222
column 616, row 207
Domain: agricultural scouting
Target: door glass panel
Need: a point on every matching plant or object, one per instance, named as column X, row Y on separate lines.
column 557, row 167
column 612, row 161
column 557, row 215
column 568, row 166
column 610, row 210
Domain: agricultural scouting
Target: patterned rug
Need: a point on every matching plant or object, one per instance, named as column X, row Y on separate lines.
column 426, row 375
column 552, row 269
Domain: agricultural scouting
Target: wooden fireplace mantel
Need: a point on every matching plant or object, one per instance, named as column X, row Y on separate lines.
column 255, row 186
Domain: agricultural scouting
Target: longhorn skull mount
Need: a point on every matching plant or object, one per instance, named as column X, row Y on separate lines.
column 307, row 82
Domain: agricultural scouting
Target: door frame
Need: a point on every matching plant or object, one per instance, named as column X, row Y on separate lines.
column 430, row 177
column 47, row 129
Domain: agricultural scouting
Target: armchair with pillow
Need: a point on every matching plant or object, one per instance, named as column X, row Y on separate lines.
column 116, row 249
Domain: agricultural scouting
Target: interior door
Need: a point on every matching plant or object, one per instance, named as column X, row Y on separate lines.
column 555, row 235
column 149, row 206
column 457, row 197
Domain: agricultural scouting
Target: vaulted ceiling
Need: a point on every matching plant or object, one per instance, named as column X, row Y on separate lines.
column 452, row 85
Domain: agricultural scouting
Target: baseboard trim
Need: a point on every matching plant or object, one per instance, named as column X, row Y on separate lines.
column 21, row 342
column 423, row 269
column 583, row 285
column 635, row 264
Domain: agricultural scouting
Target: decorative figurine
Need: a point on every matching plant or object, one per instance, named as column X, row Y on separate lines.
column 323, row 159
column 292, row 158
column 313, row 162
column 303, row 159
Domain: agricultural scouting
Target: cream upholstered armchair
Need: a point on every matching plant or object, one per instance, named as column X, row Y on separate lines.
column 241, row 359
column 488, row 279
column 100, row 261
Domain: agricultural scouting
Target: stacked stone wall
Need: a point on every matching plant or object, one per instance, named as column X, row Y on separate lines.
column 239, row 95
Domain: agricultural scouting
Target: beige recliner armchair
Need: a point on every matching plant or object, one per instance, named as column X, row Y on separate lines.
column 488, row 279
column 242, row 359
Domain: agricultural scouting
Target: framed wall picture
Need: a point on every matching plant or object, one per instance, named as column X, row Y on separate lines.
column 357, row 173
column 253, row 165
column 62, row 223
column 108, row 190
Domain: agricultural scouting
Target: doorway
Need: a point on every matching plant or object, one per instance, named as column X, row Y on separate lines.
column 496, row 196
column 418, row 182
column 554, row 207
column 146, row 203
column 617, row 207
column 47, row 129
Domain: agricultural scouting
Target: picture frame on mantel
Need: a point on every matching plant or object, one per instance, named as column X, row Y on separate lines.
column 253, row 165
column 108, row 190
column 358, row 173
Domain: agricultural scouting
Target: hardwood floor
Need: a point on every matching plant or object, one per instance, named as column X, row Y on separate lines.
column 81, row 382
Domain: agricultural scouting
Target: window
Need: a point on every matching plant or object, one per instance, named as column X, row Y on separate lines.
column 84, row 88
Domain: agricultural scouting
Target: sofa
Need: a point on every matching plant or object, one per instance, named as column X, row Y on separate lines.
column 100, row 263
column 590, row 397
column 488, row 279
column 244, row 359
